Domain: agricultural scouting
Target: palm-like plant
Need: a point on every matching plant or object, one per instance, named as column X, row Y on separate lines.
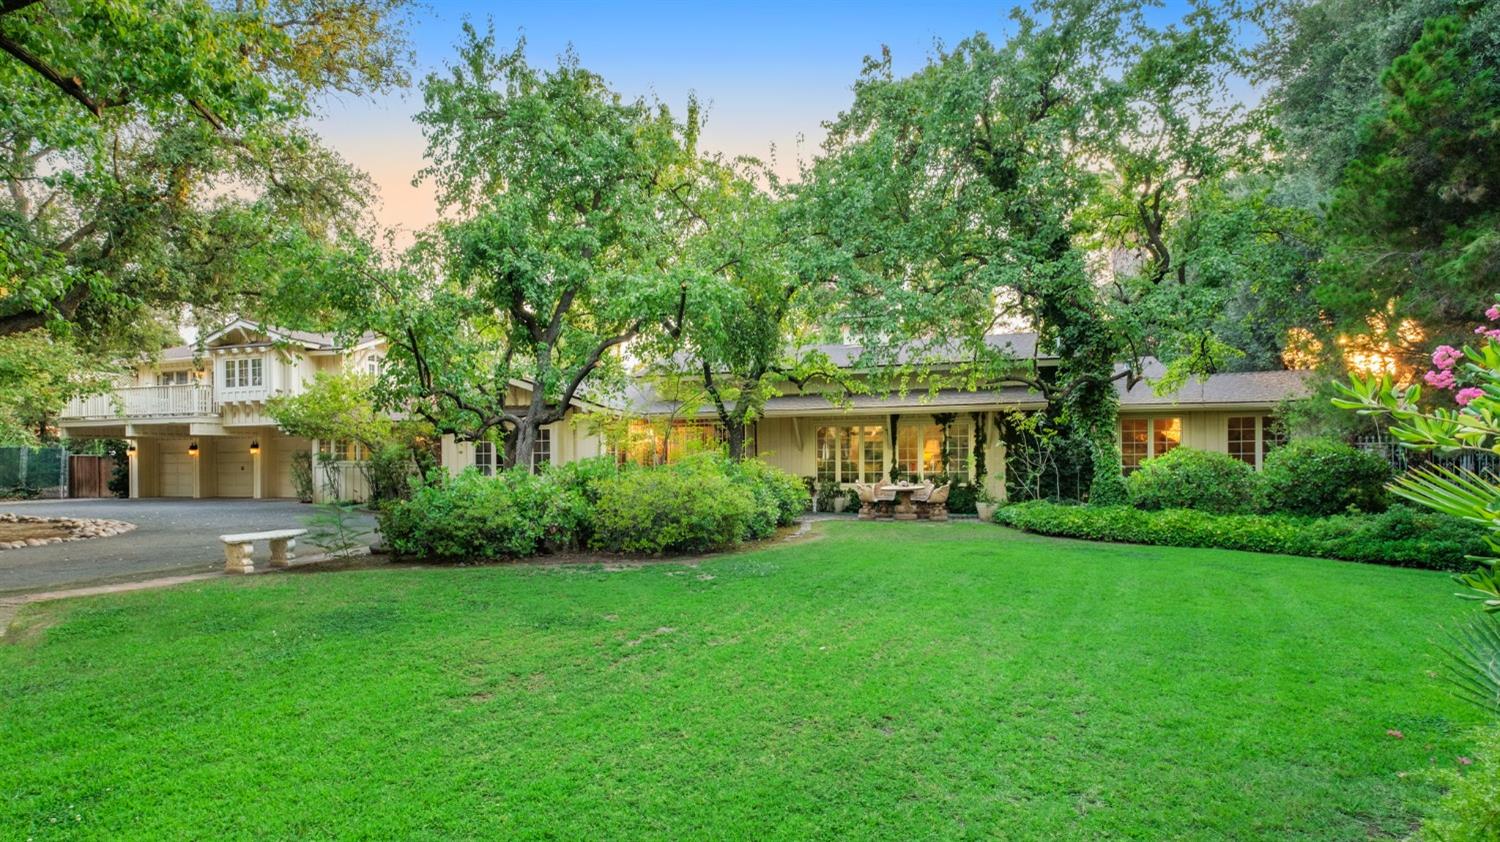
column 1474, row 425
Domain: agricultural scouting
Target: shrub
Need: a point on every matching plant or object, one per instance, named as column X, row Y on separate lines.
column 513, row 514
column 389, row 472
column 962, row 496
column 1184, row 478
column 1322, row 477
column 1471, row 809
column 1401, row 536
column 786, row 492
column 671, row 509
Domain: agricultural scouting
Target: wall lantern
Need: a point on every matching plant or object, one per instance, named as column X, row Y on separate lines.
column 255, row 447
column 130, row 449
column 193, row 449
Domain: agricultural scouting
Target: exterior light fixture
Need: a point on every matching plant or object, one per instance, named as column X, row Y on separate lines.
column 130, row 449
column 255, row 447
column 193, row 449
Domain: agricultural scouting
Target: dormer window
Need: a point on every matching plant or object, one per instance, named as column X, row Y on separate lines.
column 242, row 374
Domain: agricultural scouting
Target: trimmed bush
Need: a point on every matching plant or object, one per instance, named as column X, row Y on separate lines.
column 472, row 517
column 784, row 494
column 1184, row 478
column 1322, row 477
column 672, row 509
column 1400, row 537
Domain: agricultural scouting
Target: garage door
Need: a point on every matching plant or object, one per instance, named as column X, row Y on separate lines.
column 177, row 467
column 236, row 477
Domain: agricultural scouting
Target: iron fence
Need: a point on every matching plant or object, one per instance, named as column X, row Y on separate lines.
column 1402, row 459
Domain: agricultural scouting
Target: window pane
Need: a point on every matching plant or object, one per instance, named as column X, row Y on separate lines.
column 906, row 448
column 1242, row 439
column 874, row 453
column 229, row 375
column 958, row 449
column 1272, row 436
column 484, row 457
column 827, row 455
column 1167, row 434
column 932, row 443
column 541, row 449
column 255, row 373
column 848, row 438
column 1132, row 443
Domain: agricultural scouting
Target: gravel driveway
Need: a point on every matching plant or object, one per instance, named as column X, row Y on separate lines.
column 172, row 537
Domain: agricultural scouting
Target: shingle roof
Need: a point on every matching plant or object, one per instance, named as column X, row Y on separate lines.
column 1265, row 388
column 640, row 399
column 1018, row 345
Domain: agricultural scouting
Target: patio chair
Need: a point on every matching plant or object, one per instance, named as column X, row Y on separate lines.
column 885, row 502
column 935, row 507
column 866, row 494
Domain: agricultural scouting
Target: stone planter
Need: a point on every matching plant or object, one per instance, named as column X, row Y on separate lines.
column 986, row 511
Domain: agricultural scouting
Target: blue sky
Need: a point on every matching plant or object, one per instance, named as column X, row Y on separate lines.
column 770, row 72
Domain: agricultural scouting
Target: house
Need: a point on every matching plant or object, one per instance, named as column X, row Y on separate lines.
column 197, row 423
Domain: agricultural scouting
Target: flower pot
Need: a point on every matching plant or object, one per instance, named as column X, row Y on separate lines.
column 986, row 511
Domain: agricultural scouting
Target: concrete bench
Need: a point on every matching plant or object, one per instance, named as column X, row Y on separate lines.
column 237, row 549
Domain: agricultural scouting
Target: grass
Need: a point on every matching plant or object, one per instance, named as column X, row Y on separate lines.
column 897, row 681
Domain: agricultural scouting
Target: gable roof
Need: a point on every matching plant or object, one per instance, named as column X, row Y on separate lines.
column 1258, row 389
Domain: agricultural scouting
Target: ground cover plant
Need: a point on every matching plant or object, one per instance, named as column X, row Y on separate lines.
column 884, row 680
column 1401, row 536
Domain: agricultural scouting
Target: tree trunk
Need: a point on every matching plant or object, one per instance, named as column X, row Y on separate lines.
column 735, row 438
column 518, row 448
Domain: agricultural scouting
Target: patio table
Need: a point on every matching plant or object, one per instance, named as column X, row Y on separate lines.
column 904, row 510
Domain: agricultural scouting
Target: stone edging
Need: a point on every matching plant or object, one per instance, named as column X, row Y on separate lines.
column 79, row 529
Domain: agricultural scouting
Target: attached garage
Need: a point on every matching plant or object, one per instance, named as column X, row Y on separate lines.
column 177, row 468
column 234, row 473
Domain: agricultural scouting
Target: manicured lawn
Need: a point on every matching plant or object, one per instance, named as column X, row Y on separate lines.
column 891, row 681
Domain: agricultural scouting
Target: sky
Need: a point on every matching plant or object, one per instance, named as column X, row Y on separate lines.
column 769, row 73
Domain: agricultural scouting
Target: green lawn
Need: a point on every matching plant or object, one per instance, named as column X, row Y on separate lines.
column 891, row 681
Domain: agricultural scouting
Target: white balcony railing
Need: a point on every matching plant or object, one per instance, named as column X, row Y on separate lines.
column 146, row 402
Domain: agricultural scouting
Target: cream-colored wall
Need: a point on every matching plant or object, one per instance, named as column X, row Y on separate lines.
column 1202, row 430
column 572, row 440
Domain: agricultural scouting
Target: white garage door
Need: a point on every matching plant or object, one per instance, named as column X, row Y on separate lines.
column 236, row 477
column 177, row 467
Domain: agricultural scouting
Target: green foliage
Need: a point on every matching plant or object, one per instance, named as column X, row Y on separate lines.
column 1184, row 478
column 1400, row 536
column 1415, row 216
column 781, row 495
column 1470, row 812
column 472, row 517
column 157, row 155
column 38, row 376
column 670, row 509
column 302, row 475
column 1322, row 477
column 335, row 529
column 334, row 407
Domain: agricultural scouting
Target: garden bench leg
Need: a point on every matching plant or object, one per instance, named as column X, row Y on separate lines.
column 282, row 552
column 237, row 558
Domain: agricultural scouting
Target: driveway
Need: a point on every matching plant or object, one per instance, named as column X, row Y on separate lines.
column 172, row 537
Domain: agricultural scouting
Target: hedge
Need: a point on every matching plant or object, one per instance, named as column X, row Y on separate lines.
column 1400, row 537
column 1184, row 478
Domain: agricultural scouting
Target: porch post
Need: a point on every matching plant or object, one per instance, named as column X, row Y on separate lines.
column 257, row 489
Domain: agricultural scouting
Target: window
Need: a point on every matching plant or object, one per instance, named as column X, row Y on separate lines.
column 341, row 451
column 372, row 365
column 1242, row 439
column 541, row 449
column 484, row 457
column 828, row 463
column 240, row 374
column 850, row 454
column 919, row 449
column 173, row 378
column 1134, row 447
column 1272, row 436
column 1166, row 433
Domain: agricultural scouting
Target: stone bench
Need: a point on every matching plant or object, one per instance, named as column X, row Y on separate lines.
column 237, row 549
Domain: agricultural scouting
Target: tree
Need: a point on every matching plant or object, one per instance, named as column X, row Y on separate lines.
column 572, row 209
column 153, row 151
column 746, row 326
column 38, row 376
column 985, row 189
column 1414, row 223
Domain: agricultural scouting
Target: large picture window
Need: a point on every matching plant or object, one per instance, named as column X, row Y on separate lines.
column 850, row 454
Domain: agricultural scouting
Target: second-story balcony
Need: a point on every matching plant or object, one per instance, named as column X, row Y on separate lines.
column 146, row 402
